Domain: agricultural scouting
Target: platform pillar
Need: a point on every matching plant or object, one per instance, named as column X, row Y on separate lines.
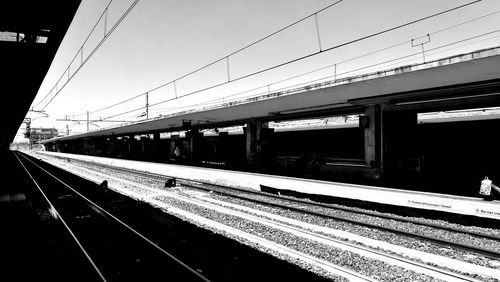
column 112, row 145
column 85, row 146
column 130, row 145
column 71, row 146
column 255, row 132
column 195, row 137
column 156, row 146
column 371, row 122
column 223, row 146
column 175, row 148
column 101, row 146
column 142, row 148
column 88, row 146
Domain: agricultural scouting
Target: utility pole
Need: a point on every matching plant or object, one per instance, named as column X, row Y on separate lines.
column 27, row 134
column 147, row 105
column 88, row 122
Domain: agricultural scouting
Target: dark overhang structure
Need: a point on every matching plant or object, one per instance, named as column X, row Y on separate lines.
column 30, row 34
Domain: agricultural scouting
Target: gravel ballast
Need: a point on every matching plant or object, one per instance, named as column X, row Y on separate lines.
column 334, row 255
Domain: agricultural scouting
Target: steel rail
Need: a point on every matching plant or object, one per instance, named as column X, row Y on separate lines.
column 426, row 269
column 322, row 205
column 466, row 247
column 156, row 246
column 58, row 215
column 483, row 251
column 352, row 210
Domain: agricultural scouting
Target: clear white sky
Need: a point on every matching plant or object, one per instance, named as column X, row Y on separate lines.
column 161, row 40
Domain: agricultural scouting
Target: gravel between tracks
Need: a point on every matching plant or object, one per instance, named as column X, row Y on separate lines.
column 373, row 233
column 490, row 231
column 369, row 267
column 395, row 224
column 363, row 231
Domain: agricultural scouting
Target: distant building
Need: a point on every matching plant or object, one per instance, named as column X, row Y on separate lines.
column 40, row 134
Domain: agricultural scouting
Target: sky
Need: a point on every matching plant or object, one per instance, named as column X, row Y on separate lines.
column 160, row 41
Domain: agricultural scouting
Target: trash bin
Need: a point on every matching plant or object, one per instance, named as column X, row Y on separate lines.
column 485, row 188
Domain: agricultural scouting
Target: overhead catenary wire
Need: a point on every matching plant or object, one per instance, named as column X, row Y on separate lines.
column 225, row 57
column 84, row 61
column 323, row 78
column 281, row 64
column 353, row 58
column 251, row 44
column 392, row 60
column 80, row 50
column 355, row 70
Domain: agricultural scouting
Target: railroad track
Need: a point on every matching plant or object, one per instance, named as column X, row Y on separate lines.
column 113, row 249
column 308, row 208
column 214, row 256
column 291, row 228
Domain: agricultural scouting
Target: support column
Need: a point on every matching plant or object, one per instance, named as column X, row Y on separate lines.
column 88, row 146
column 130, row 145
column 222, row 149
column 371, row 124
column 251, row 143
column 121, row 147
column 194, row 136
column 255, row 132
column 100, row 146
column 81, row 146
column 175, row 150
column 143, row 143
column 112, row 145
column 157, row 152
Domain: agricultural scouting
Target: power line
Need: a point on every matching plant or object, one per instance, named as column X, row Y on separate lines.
column 407, row 56
column 282, row 64
column 351, row 71
column 316, row 70
column 303, row 74
column 80, row 51
column 224, row 57
column 289, row 62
